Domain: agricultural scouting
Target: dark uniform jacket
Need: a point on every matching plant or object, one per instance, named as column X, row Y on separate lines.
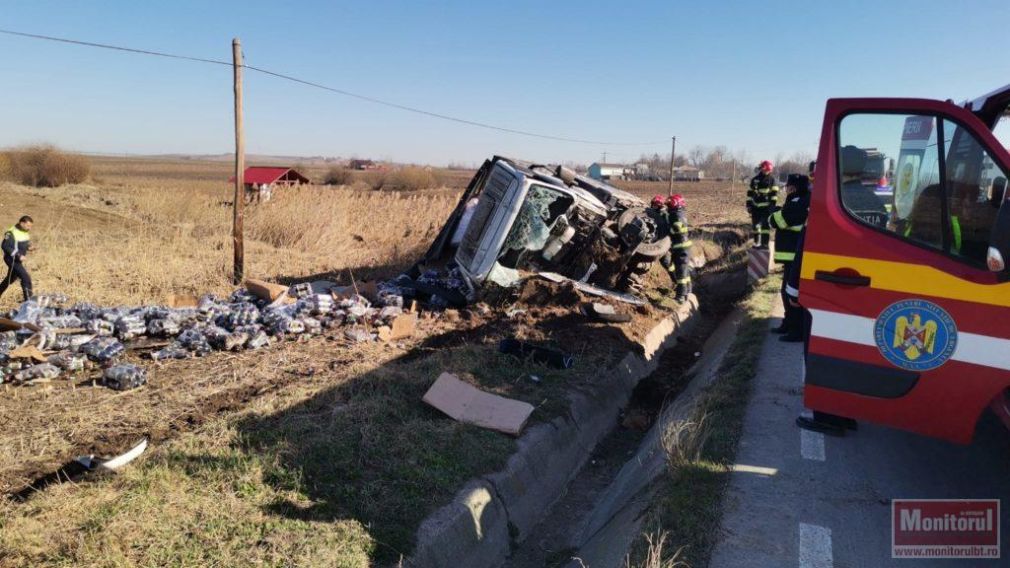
column 15, row 244
column 763, row 193
column 679, row 240
column 788, row 221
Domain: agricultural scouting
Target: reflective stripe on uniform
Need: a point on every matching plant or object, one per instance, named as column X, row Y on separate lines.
column 783, row 256
column 683, row 245
column 684, row 280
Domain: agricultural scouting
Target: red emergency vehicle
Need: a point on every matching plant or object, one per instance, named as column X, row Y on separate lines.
column 910, row 293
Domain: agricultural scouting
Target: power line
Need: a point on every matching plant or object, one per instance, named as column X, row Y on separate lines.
column 343, row 92
column 116, row 47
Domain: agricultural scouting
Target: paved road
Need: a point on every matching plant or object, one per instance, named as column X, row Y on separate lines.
column 824, row 502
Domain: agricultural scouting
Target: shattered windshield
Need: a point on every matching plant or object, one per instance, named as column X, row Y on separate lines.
column 532, row 228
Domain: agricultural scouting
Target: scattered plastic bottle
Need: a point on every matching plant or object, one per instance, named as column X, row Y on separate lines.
column 124, row 376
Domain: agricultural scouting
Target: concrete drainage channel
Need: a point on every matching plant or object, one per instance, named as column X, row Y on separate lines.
column 492, row 519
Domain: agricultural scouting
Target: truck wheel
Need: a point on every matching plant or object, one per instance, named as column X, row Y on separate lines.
column 659, row 241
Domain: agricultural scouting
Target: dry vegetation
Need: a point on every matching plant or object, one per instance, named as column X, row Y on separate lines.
column 44, row 166
column 147, row 229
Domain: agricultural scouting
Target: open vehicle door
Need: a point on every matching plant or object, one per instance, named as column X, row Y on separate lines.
column 911, row 326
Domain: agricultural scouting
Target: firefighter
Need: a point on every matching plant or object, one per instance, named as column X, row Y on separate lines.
column 16, row 245
column 788, row 221
column 761, row 199
column 680, row 272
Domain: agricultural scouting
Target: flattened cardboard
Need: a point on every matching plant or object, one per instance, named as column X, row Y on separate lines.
column 403, row 326
column 28, row 352
column 265, row 290
column 182, row 301
column 466, row 403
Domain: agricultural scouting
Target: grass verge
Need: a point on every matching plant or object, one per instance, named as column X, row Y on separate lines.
column 338, row 472
column 688, row 507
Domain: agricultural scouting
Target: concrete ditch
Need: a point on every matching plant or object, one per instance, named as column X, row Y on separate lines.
column 603, row 538
column 491, row 514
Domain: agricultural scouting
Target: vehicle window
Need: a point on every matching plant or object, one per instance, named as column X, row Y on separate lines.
column 532, row 228
column 971, row 175
column 890, row 174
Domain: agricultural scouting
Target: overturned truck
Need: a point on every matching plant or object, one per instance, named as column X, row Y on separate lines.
column 519, row 218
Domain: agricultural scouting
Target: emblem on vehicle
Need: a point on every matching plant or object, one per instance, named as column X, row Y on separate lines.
column 917, row 335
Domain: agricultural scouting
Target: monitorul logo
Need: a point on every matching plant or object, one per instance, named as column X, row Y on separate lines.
column 917, row 335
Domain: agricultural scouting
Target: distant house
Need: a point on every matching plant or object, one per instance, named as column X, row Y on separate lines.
column 363, row 165
column 688, row 173
column 605, row 172
column 260, row 181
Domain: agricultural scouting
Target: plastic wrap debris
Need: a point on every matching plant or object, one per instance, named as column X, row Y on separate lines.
column 301, row 290
column 173, row 351
column 163, row 327
column 242, row 315
column 195, row 341
column 58, row 322
column 318, row 304
column 258, row 340
column 50, row 300
column 68, row 361
column 247, row 319
column 124, row 376
column 100, row 327
column 128, row 327
column 43, row 371
column 312, row 326
column 28, row 312
column 103, row 349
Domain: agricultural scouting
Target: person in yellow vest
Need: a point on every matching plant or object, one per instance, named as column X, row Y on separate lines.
column 16, row 245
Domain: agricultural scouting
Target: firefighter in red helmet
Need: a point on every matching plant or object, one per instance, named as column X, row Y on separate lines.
column 762, row 197
column 680, row 272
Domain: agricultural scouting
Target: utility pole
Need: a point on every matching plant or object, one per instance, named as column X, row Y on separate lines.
column 237, row 218
column 604, row 158
column 673, row 154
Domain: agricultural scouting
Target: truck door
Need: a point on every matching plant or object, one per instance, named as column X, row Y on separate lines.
column 909, row 326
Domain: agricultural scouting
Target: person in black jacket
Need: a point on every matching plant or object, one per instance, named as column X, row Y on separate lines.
column 762, row 197
column 16, row 245
column 788, row 221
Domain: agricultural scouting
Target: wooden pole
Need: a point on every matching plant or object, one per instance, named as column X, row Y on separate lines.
column 237, row 219
column 673, row 154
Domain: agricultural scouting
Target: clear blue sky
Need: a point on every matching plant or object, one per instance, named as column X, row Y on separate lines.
column 732, row 73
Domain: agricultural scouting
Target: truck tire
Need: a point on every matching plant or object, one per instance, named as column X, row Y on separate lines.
column 648, row 250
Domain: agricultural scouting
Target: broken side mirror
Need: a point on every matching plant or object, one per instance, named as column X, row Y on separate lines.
column 998, row 192
column 999, row 242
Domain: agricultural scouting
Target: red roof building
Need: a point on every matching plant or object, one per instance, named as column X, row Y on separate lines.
column 272, row 176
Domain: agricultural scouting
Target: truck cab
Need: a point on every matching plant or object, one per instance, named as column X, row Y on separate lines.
column 909, row 289
column 517, row 217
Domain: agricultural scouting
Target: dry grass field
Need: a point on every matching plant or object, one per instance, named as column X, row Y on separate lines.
column 144, row 229
column 308, row 453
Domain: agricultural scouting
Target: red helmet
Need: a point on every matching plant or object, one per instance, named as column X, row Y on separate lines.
column 766, row 166
column 657, row 201
column 676, row 201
